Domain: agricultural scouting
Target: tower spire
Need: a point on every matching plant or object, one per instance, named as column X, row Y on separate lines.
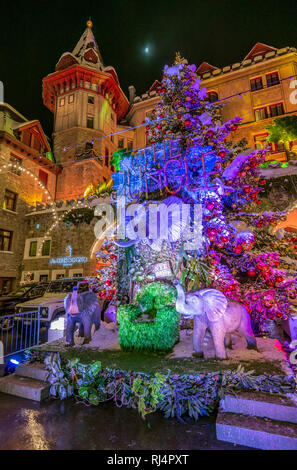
column 87, row 50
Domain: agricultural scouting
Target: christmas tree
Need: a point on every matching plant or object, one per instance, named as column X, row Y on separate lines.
column 106, row 266
column 231, row 259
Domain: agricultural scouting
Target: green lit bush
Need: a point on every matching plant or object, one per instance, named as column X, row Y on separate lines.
column 160, row 334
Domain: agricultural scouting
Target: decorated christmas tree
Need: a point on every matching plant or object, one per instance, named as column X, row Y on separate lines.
column 106, row 267
column 225, row 181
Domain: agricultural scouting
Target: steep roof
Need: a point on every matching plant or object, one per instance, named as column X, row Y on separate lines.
column 205, row 67
column 35, row 127
column 259, row 49
column 86, row 52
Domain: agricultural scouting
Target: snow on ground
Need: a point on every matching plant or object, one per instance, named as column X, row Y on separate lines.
column 107, row 338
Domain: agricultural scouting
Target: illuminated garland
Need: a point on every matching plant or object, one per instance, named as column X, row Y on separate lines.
column 239, row 94
column 43, row 188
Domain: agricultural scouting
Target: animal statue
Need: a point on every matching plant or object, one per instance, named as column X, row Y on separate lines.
column 211, row 309
column 84, row 309
column 110, row 314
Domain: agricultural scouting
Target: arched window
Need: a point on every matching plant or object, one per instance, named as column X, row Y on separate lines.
column 212, row 96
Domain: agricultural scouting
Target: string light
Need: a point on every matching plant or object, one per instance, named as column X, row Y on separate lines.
column 44, row 189
column 239, row 94
column 57, row 221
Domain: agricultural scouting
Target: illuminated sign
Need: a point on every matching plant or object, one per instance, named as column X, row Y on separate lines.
column 68, row 260
column 162, row 270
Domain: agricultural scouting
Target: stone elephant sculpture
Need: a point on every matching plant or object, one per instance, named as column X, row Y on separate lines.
column 89, row 314
column 211, row 309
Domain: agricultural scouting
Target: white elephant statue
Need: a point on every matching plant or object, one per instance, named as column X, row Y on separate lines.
column 211, row 309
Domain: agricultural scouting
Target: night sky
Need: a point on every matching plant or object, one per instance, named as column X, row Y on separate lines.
column 33, row 36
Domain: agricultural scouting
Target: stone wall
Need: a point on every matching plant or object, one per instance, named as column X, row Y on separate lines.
column 80, row 238
column 28, row 192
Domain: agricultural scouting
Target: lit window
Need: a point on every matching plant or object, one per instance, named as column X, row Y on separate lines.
column 33, row 248
column 256, row 83
column 91, row 99
column 272, row 79
column 46, row 248
column 43, row 177
column 60, row 276
column 62, row 101
column 90, row 122
column 276, row 109
column 70, row 98
column 212, row 96
column 260, row 140
column 5, row 240
column 260, row 114
column 10, row 200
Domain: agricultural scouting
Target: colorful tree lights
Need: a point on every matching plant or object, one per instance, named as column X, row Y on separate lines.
column 231, row 194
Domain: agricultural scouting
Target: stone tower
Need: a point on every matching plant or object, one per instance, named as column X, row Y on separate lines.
column 87, row 102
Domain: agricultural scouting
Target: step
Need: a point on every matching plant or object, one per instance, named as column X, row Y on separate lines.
column 261, row 404
column 35, row 370
column 259, row 433
column 24, row 387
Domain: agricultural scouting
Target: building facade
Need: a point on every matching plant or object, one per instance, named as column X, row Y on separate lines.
column 92, row 118
column 27, row 177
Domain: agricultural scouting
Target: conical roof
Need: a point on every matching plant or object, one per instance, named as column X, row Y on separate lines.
column 87, row 51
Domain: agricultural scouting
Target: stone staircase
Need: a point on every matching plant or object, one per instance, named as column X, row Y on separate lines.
column 259, row 420
column 28, row 381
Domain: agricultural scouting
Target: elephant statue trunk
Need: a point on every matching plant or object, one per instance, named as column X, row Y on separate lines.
column 211, row 309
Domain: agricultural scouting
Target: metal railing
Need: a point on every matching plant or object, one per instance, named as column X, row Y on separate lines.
column 18, row 332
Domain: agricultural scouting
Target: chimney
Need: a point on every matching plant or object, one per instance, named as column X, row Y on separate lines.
column 132, row 93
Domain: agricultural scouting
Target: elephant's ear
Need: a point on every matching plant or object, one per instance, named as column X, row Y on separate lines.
column 214, row 302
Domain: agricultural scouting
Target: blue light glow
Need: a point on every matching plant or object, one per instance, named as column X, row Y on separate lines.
column 14, row 361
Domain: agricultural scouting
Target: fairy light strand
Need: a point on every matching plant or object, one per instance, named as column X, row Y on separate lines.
column 157, row 120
